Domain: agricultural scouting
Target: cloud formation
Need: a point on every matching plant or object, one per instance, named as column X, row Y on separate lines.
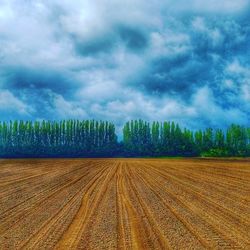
column 186, row 61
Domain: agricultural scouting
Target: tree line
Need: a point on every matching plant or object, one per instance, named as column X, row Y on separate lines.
column 63, row 138
column 169, row 139
column 89, row 138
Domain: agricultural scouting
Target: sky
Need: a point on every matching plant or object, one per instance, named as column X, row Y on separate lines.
column 181, row 60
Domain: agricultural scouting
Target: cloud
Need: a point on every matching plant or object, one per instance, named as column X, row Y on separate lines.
column 65, row 109
column 158, row 60
column 205, row 104
column 210, row 7
column 11, row 106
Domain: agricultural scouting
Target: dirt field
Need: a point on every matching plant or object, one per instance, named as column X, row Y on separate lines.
column 125, row 204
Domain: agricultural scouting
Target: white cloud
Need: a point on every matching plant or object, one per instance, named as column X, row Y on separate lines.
column 169, row 43
column 206, row 107
column 246, row 92
column 235, row 67
column 10, row 103
column 65, row 109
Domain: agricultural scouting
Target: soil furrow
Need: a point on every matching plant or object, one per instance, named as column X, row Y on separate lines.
column 231, row 223
column 71, row 237
column 125, row 204
column 190, row 217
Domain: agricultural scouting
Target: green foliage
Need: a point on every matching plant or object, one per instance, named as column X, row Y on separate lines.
column 142, row 139
column 168, row 139
column 63, row 138
column 73, row 138
column 215, row 152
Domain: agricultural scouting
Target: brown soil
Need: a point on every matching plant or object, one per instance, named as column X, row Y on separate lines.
column 125, row 204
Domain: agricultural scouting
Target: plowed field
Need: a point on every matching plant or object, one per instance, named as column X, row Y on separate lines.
column 125, row 204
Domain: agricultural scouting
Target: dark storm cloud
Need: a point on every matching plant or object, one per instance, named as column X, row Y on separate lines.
column 25, row 79
column 210, row 46
column 179, row 75
column 131, row 38
column 93, row 47
column 181, row 60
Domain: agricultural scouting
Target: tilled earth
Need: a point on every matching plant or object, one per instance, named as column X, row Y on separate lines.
column 125, row 204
